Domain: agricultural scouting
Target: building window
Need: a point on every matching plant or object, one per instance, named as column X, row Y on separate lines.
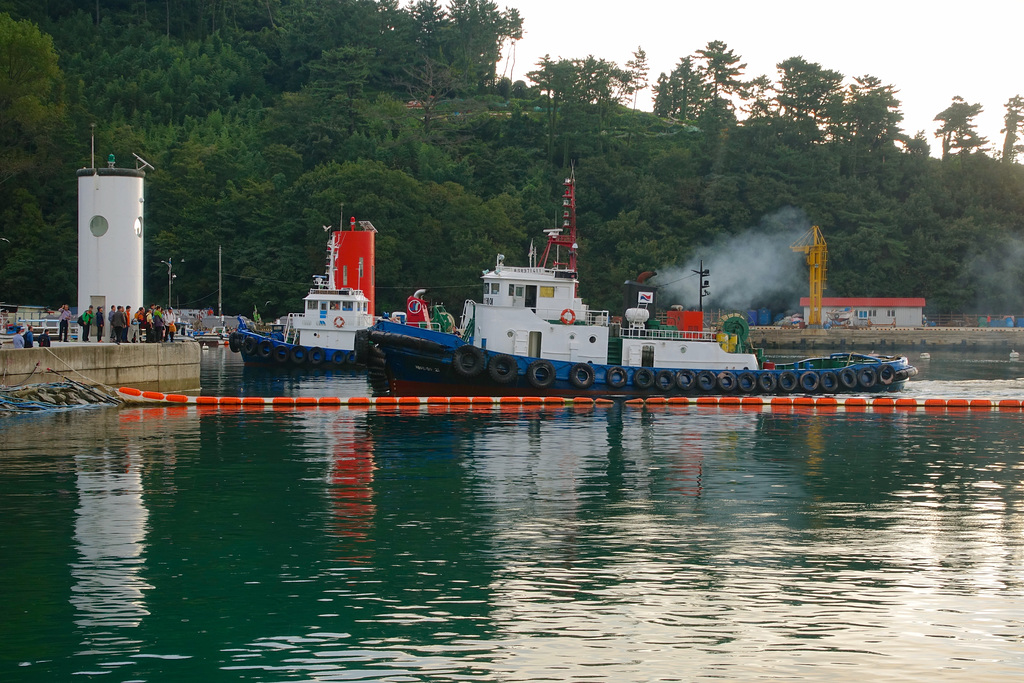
column 547, row 292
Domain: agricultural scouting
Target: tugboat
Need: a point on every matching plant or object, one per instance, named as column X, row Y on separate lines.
column 340, row 304
column 532, row 335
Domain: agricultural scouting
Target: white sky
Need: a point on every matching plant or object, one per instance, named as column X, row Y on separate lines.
column 928, row 51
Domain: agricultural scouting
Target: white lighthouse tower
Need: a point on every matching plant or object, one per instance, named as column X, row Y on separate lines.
column 110, row 236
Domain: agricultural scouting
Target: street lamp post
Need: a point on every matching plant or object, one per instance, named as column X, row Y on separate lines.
column 170, row 278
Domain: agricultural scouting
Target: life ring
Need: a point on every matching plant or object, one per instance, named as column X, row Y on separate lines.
column 810, row 381
column 643, row 378
column 746, row 381
column 541, row 374
column 615, row 377
column 339, row 321
column 664, row 380
column 581, row 375
column 468, row 360
column 568, row 316
column 685, row 379
column 503, row 369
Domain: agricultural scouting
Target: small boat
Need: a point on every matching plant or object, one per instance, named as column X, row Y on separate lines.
column 340, row 304
column 531, row 335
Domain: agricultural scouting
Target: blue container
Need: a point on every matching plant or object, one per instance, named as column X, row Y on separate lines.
column 764, row 317
column 1009, row 321
column 1020, row 321
column 751, row 317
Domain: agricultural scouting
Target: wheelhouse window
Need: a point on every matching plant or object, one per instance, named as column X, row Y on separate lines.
column 547, row 292
column 312, row 305
column 335, row 305
column 346, row 305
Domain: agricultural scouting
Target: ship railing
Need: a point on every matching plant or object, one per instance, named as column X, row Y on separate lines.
column 598, row 318
column 670, row 335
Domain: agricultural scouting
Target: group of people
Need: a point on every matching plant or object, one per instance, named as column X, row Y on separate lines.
column 25, row 339
column 145, row 325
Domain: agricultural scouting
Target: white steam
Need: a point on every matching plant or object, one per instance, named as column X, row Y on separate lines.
column 749, row 271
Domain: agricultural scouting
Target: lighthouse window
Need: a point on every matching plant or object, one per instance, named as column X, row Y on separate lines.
column 547, row 292
column 98, row 226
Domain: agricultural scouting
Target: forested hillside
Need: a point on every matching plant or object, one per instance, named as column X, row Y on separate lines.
column 268, row 119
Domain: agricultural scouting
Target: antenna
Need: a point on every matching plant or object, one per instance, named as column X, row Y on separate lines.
column 141, row 162
column 92, row 145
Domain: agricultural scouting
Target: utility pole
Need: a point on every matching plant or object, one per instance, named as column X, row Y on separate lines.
column 702, row 283
column 220, row 282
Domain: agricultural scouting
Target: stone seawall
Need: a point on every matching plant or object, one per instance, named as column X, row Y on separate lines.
column 154, row 367
column 890, row 339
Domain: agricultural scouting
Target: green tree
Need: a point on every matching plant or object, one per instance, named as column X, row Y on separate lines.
column 30, row 95
column 680, row 93
column 810, row 96
column 958, row 131
column 1014, row 119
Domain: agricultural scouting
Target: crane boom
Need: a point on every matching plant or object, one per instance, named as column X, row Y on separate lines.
column 813, row 245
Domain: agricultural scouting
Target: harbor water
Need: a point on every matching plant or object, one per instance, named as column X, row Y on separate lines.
column 514, row 543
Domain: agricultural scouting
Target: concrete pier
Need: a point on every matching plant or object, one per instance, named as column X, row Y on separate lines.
column 157, row 367
column 889, row 339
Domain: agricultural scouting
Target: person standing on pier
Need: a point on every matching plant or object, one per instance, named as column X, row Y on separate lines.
column 85, row 320
column 118, row 321
column 100, row 320
column 65, row 323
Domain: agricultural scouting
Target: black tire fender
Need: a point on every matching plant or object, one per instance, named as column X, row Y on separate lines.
column 281, row 353
column 848, row 378
column 664, row 380
column 615, row 377
column 788, row 381
column 886, row 374
column 746, row 382
column 581, row 375
column 643, row 378
column 468, row 360
column 503, row 368
column 541, row 374
column 685, row 379
column 767, row 382
column 810, row 381
column 265, row 348
column 867, row 378
column 706, row 381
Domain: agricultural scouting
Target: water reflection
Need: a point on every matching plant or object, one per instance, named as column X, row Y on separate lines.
column 110, row 533
column 529, row 543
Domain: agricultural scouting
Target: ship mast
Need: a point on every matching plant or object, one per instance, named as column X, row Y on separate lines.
column 557, row 237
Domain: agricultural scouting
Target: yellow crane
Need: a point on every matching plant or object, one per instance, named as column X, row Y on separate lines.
column 813, row 244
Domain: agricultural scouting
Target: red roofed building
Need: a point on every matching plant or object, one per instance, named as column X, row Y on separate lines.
column 892, row 311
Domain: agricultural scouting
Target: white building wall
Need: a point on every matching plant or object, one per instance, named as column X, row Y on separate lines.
column 110, row 237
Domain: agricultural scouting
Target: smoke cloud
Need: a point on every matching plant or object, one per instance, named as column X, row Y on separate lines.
column 756, row 269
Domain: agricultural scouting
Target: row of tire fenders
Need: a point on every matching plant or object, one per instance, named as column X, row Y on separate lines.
column 131, row 395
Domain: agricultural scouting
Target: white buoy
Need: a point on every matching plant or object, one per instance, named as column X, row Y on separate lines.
column 925, row 356
column 1014, row 355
